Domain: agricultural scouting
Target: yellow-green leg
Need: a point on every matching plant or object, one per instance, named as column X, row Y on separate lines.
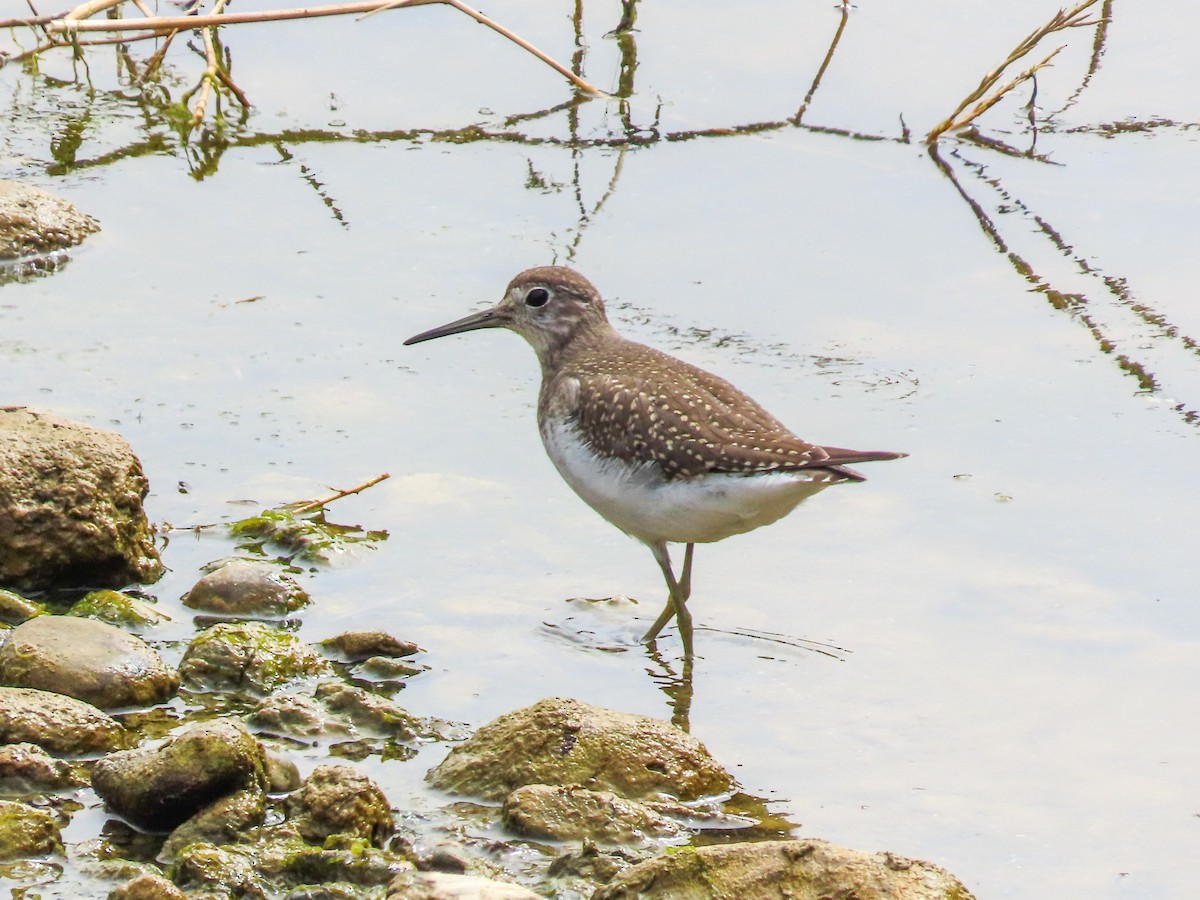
column 678, row 592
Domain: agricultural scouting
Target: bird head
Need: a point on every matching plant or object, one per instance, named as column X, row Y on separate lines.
column 549, row 306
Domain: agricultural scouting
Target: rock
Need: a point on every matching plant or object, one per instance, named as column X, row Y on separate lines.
column 336, row 799
column 339, row 709
column 158, row 787
column 368, row 711
column 16, row 609
column 282, row 775
column 341, row 858
column 445, row 886
column 355, row 646
column 209, row 871
column 243, row 587
column 565, row 742
column 295, row 714
column 34, row 222
column 70, row 506
column 546, row 812
column 85, row 659
column 147, row 887
column 62, row 725
column 25, row 831
column 773, row 870
column 26, row 768
column 334, row 890
column 248, row 655
column 592, row 864
column 386, row 668
column 446, row 857
column 273, row 861
column 224, row 821
column 118, row 609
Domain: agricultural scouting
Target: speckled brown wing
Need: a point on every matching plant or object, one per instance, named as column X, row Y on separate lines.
column 655, row 408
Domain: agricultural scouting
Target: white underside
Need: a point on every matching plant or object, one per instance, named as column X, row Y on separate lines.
column 641, row 503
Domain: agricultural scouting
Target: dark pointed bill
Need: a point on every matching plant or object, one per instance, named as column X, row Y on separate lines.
column 488, row 318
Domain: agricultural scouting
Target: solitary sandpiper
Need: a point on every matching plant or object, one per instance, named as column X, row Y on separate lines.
column 665, row 451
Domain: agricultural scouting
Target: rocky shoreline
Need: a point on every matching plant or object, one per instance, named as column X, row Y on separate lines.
column 190, row 770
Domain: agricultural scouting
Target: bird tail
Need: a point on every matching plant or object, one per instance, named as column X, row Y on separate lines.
column 839, row 458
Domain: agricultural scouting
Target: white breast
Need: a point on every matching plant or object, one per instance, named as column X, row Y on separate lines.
column 641, row 503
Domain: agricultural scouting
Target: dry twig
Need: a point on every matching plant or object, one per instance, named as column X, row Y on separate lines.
column 1061, row 20
column 295, row 508
column 317, row 504
column 78, row 21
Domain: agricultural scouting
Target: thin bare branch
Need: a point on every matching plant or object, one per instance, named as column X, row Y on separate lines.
column 87, row 10
column 1063, row 19
column 525, row 45
column 208, row 79
column 991, row 101
column 325, row 501
column 77, row 21
column 73, row 21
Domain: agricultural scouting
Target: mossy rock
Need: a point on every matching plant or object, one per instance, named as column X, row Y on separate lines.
column 62, row 725
column 86, row 659
column 118, row 609
column 25, row 831
column 769, row 870
column 565, row 742
column 242, row 587
column 248, row 656
column 159, row 786
column 15, row 609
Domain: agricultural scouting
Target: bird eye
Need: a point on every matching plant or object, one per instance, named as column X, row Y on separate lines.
column 537, row 297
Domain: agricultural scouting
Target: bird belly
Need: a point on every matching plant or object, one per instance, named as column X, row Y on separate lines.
column 639, row 501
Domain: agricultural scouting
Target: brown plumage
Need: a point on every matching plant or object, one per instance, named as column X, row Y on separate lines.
column 664, row 450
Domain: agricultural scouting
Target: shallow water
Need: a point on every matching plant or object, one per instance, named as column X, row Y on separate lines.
column 1010, row 686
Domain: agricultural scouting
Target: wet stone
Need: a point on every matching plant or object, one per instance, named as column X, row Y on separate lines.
column 446, row 857
column 295, row 714
column 592, row 864
column 368, row 711
column 25, row 831
column 34, row 222
column 287, row 858
column 117, row 609
column 147, row 886
column 248, row 655
column 243, row 587
column 337, row 799
column 447, row 886
column 546, row 812
column 223, row 821
column 73, row 512
column 386, row 668
column 112, row 870
column 772, row 869
column 27, row 768
column 223, row 871
column 89, row 660
column 282, row 774
column 61, row 725
column 158, row 787
column 355, row 646
column 15, row 609
column 565, row 742
column 335, row 890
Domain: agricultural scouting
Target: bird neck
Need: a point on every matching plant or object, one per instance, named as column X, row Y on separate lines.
column 557, row 352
